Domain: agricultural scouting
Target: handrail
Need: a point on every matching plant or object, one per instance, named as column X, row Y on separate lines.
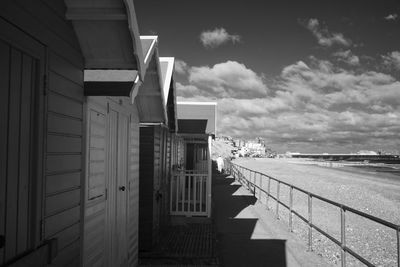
column 238, row 172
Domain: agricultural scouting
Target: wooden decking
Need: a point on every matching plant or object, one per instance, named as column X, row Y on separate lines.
column 191, row 244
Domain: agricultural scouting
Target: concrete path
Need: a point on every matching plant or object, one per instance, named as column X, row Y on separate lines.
column 249, row 235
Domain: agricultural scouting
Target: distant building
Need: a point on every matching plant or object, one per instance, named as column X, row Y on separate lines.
column 255, row 148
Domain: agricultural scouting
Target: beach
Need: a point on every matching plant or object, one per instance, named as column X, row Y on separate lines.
column 363, row 188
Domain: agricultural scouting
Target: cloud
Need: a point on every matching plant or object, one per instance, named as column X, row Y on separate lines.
column 217, row 37
column 348, row 57
column 181, row 66
column 391, row 17
column 392, row 60
column 324, row 37
column 228, row 79
column 312, row 106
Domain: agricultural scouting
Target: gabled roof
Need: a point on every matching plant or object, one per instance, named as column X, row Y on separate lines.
column 150, row 98
column 108, row 34
column 167, row 69
column 197, row 118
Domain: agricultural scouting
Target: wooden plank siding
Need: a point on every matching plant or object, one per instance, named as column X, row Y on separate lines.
column 133, row 192
column 63, row 122
column 155, row 169
column 146, row 185
column 72, row 186
column 64, row 156
column 95, row 220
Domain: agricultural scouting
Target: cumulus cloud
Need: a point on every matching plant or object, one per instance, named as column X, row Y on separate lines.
column 217, row 37
column 324, row 37
column 392, row 60
column 391, row 17
column 228, row 79
column 181, row 66
column 348, row 57
column 312, row 106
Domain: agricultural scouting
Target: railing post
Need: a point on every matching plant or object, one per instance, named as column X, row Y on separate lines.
column 268, row 191
column 398, row 246
column 343, row 235
column 277, row 200
column 259, row 191
column 254, row 184
column 309, row 222
column 290, row 209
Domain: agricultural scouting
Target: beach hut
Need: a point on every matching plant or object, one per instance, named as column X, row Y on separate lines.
column 156, row 161
column 191, row 183
column 69, row 184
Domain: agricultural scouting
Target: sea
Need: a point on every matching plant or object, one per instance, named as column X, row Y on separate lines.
column 364, row 166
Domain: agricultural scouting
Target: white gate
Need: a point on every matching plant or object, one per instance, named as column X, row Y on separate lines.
column 189, row 193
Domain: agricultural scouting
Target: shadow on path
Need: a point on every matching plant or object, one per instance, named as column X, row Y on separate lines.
column 235, row 246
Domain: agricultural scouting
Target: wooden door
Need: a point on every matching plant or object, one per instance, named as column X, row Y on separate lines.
column 158, row 173
column 21, row 66
column 118, row 175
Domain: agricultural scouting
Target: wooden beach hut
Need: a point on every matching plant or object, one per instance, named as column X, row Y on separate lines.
column 191, row 184
column 156, row 162
column 69, row 184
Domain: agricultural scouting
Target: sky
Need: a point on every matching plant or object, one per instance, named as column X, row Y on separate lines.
column 307, row 76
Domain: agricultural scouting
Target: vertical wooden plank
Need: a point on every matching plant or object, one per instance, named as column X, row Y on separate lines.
column 184, row 192
column 25, row 153
column 13, row 155
column 178, row 189
column 4, row 104
column 121, row 207
column 195, row 193
column 112, row 146
column 201, row 193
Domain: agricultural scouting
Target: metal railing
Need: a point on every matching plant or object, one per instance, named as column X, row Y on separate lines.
column 238, row 173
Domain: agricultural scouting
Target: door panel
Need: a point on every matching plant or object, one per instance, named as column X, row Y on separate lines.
column 19, row 82
column 118, row 151
column 121, row 201
column 95, row 233
column 4, row 94
column 112, row 174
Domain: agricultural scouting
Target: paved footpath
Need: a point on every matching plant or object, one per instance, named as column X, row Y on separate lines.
column 248, row 235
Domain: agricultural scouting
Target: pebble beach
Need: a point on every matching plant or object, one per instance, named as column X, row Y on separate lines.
column 367, row 190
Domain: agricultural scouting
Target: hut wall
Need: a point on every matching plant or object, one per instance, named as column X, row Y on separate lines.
column 155, row 170
column 53, row 209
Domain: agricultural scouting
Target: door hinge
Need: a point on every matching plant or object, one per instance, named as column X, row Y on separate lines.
column 106, row 194
column 108, row 108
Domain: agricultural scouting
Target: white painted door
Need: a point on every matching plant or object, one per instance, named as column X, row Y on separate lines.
column 118, row 175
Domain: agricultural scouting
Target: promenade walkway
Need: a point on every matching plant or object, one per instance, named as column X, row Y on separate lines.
column 249, row 235
column 241, row 232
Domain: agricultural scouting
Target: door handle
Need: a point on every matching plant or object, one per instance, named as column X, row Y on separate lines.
column 122, row 188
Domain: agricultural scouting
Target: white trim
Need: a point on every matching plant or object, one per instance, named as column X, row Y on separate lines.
column 133, row 28
column 148, row 37
column 168, row 75
column 110, row 75
column 196, row 103
column 152, row 124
